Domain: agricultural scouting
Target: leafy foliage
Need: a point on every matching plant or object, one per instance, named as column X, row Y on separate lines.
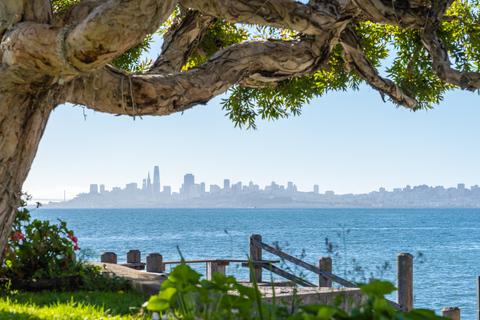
column 461, row 36
column 202, row 299
column 131, row 60
column 184, row 296
column 219, row 36
column 60, row 6
column 412, row 69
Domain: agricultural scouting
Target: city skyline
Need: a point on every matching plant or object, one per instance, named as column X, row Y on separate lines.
column 239, row 195
column 190, row 187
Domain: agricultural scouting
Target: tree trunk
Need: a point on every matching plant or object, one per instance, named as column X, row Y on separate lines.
column 23, row 118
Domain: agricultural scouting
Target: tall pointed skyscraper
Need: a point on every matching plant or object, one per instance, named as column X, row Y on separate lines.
column 149, row 184
column 156, row 180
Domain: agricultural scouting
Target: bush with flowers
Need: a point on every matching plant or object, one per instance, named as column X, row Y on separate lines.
column 39, row 250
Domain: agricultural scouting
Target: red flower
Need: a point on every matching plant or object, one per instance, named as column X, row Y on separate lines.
column 48, row 234
column 76, row 247
column 17, row 236
column 73, row 238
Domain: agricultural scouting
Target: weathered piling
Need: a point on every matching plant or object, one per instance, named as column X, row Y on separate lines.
column 451, row 313
column 255, row 255
column 133, row 256
column 154, row 262
column 213, row 267
column 478, row 298
column 325, row 263
column 405, row 281
column 108, row 257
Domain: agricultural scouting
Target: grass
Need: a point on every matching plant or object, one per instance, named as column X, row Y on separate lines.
column 84, row 305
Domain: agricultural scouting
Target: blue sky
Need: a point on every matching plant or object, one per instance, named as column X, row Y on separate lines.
column 349, row 142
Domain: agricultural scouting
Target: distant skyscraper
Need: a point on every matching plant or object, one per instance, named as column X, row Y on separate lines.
column 167, row 190
column 215, row 189
column 94, row 188
column 315, row 189
column 149, row 183
column 226, row 186
column 188, row 183
column 102, row 188
column 131, row 188
column 189, row 179
column 156, row 180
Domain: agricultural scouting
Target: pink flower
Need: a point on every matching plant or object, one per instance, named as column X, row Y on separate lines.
column 17, row 236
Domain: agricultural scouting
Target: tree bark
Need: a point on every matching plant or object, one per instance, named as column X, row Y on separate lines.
column 181, row 42
column 22, row 122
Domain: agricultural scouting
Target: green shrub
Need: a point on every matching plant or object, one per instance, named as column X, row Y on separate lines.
column 39, row 250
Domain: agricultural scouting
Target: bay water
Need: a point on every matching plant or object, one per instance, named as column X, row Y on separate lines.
column 445, row 243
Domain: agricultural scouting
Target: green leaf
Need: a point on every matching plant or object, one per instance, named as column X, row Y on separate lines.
column 185, row 275
column 163, row 300
column 377, row 288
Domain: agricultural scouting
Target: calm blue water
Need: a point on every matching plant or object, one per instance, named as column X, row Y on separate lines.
column 448, row 239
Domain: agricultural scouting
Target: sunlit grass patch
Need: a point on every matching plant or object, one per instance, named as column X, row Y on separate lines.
column 82, row 305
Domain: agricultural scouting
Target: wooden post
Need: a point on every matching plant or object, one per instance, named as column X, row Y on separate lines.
column 256, row 255
column 108, row 257
column 405, row 281
column 325, row 263
column 478, row 298
column 154, row 262
column 451, row 313
column 213, row 267
column 133, row 256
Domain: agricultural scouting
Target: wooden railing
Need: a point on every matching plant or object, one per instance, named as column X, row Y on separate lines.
column 256, row 247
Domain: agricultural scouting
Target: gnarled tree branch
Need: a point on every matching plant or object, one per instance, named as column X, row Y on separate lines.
column 181, row 42
column 11, row 12
column 40, row 11
column 32, row 50
column 439, row 54
column 80, row 10
column 403, row 14
column 355, row 57
column 151, row 94
column 274, row 13
column 111, row 29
